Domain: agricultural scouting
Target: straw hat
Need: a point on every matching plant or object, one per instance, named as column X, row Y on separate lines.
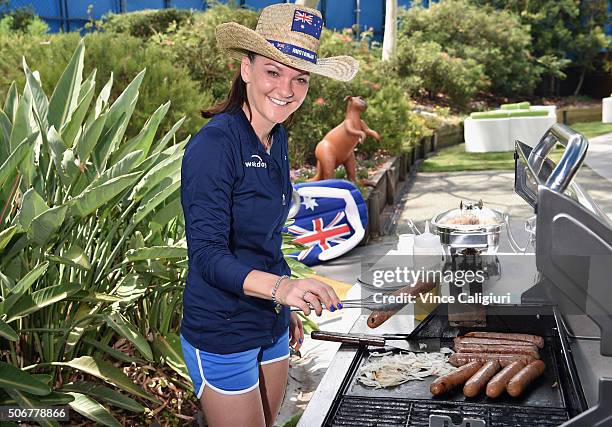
column 288, row 34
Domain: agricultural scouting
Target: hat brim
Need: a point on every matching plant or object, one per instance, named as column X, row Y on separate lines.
column 237, row 40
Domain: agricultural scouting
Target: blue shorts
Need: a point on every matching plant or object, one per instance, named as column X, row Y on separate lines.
column 232, row 373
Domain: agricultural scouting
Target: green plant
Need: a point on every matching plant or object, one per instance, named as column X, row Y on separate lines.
column 89, row 229
column 22, row 20
column 146, row 23
column 124, row 57
column 493, row 39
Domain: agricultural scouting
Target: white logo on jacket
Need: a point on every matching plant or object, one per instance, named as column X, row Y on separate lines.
column 258, row 163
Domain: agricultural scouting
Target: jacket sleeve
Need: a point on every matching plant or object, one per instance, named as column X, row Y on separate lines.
column 208, row 172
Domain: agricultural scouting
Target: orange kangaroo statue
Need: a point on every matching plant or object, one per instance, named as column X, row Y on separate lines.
column 337, row 147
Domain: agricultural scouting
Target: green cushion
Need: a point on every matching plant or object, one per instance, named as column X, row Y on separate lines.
column 517, row 106
column 528, row 113
column 495, row 114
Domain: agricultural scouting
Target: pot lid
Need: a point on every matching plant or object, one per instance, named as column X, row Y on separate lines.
column 469, row 215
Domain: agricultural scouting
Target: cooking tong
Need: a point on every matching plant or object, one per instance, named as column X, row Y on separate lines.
column 397, row 341
column 366, row 302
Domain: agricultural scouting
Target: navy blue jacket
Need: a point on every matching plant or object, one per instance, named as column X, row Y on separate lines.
column 235, row 199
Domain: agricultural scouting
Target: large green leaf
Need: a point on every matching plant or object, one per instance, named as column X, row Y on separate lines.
column 144, row 139
column 28, row 280
column 52, row 399
column 103, row 96
column 126, row 102
column 9, row 167
column 156, row 174
column 32, row 206
column 13, row 377
column 171, row 210
column 66, row 93
column 91, row 409
column 30, row 303
column 57, row 147
column 12, row 100
column 40, row 101
column 124, row 328
column 107, row 143
column 155, row 252
column 26, row 400
column 45, row 225
column 89, row 139
column 5, row 136
column 71, row 128
column 119, row 355
column 21, row 124
column 169, row 136
column 75, row 256
column 122, row 167
column 147, row 206
column 7, row 332
column 91, row 199
column 113, row 397
column 7, row 234
column 169, row 350
column 107, row 372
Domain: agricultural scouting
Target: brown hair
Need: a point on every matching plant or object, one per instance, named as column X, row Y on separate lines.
column 236, row 97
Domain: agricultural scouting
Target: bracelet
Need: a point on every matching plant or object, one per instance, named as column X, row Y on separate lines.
column 277, row 305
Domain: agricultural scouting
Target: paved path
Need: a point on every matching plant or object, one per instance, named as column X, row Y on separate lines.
column 432, row 193
column 599, row 156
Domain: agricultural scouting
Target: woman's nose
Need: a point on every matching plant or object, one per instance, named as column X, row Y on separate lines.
column 285, row 89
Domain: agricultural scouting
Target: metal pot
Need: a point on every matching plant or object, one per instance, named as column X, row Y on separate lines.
column 470, row 226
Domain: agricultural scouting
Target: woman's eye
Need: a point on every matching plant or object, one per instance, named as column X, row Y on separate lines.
column 272, row 73
column 303, row 81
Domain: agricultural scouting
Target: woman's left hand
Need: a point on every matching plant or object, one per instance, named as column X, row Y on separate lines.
column 296, row 332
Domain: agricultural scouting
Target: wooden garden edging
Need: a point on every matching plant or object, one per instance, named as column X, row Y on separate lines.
column 400, row 170
column 571, row 115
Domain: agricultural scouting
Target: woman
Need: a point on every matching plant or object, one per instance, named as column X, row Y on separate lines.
column 237, row 326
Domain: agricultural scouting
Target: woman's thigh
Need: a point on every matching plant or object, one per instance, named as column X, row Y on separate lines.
column 272, row 385
column 223, row 410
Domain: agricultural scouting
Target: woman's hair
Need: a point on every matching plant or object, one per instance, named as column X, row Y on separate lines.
column 236, row 97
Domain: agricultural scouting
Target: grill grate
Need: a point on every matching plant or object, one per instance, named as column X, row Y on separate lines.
column 359, row 411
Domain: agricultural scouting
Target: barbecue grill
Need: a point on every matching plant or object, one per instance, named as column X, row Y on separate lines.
column 569, row 305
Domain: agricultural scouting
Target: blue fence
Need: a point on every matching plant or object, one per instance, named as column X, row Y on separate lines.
column 71, row 15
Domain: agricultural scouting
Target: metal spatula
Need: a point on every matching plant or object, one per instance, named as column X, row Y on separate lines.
column 398, row 341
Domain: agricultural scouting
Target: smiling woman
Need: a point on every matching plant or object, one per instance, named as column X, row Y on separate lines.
column 235, row 192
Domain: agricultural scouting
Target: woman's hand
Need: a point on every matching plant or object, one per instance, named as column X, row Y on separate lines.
column 296, row 332
column 302, row 292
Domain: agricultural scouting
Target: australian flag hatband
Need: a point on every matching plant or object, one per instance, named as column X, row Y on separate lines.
column 303, row 22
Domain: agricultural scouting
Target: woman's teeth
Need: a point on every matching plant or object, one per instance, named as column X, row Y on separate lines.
column 278, row 102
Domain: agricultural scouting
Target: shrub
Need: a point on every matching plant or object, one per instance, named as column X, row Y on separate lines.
column 123, row 56
column 22, row 20
column 146, row 23
column 429, row 70
column 492, row 38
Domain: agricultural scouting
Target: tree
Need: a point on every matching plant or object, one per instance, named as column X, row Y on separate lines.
column 390, row 37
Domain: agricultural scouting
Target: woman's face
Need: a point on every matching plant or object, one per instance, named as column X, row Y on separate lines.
column 274, row 90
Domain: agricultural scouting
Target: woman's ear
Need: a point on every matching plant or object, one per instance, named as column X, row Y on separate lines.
column 245, row 69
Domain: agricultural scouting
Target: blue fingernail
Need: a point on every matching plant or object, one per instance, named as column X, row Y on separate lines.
column 339, row 306
column 332, row 308
column 301, row 340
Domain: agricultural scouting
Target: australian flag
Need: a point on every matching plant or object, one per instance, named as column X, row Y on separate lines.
column 307, row 23
column 331, row 221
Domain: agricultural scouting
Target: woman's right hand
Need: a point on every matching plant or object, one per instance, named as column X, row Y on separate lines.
column 302, row 292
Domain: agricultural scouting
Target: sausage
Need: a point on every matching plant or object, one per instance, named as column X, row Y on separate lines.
column 524, row 377
column 489, row 341
column 498, row 348
column 499, row 382
column 479, row 380
column 378, row 317
column 448, row 382
column 460, row 359
column 534, row 339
